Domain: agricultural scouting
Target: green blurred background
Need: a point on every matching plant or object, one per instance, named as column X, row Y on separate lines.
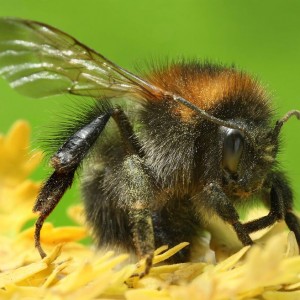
column 262, row 37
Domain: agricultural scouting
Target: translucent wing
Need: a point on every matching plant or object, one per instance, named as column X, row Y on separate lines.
column 39, row 60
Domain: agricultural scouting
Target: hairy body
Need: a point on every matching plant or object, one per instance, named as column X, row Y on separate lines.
column 199, row 141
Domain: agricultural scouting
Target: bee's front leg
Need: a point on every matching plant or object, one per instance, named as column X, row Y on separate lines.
column 280, row 200
column 216, row 201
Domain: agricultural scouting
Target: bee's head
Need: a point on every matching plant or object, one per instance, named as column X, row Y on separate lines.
column 246, row 162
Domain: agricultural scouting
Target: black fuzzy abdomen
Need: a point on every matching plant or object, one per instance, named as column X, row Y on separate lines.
column 170, row 164
column 109, row 223
column 172, row 224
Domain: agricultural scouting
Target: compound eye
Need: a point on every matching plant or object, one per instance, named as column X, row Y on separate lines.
column 232, row 149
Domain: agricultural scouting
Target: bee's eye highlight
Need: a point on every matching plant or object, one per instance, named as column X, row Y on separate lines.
column 232, row 149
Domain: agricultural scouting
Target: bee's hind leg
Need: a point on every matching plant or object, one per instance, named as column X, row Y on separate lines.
column 65, row 162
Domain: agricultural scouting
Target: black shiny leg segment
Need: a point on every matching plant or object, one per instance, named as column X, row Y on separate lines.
column 276, row 213
column 49, row 196
column 226, row 211
column 293, row 223
column 68, row 158
column 281, row 203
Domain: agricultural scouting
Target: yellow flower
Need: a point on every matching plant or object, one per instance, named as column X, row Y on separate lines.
column 17, row 192
column 16, row 159
column 75, row 271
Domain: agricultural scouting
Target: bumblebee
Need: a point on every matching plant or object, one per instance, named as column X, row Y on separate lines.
column 198, row 141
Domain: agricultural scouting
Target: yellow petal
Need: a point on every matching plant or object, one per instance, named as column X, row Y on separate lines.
column 276, row 295
column 16, row 206
column 23, row 292
column 164, row 256
column 148, row 294
column 21, row 273
column 76, row 213
column 56, row 235
column 16, row 161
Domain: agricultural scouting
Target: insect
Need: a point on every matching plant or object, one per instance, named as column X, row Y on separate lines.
column 198, row 140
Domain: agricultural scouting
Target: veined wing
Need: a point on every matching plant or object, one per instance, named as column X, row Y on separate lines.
column 39, row 60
